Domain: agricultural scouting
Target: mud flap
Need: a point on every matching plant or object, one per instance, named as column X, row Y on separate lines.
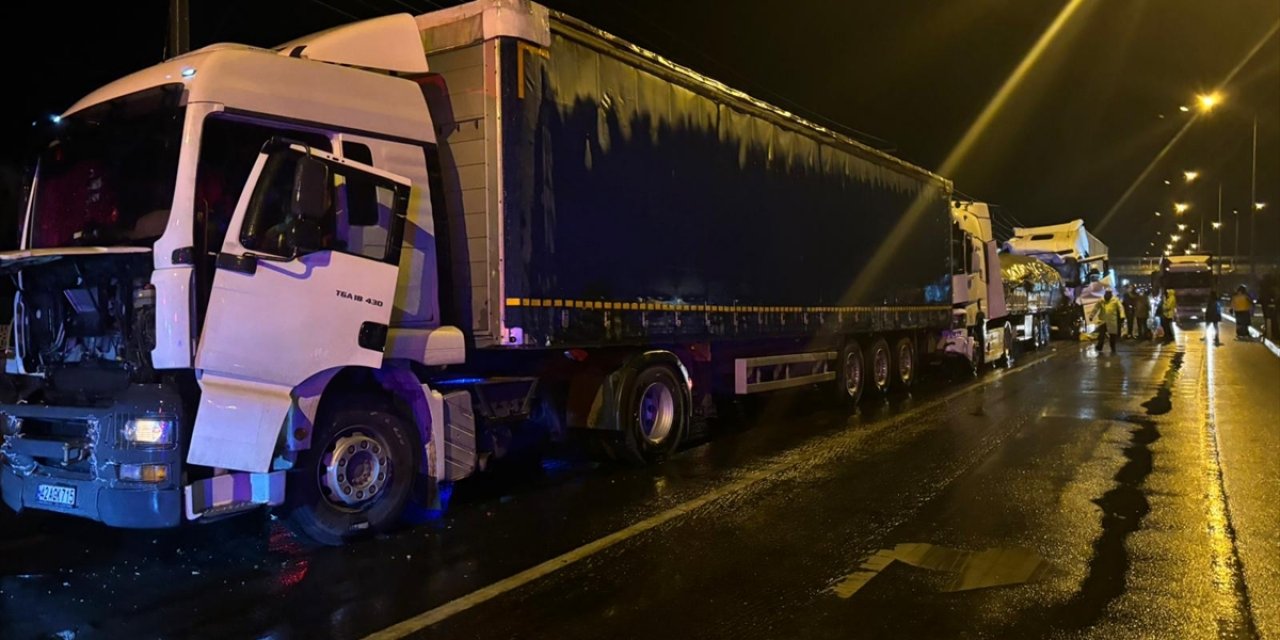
column 238, row 423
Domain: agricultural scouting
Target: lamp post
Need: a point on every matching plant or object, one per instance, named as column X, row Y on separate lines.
column 1235, row 255
column 1254, row 207
column 1217, row 226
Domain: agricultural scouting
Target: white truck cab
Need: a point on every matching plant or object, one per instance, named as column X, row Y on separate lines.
column 978, row 297
column 246, row 227
column 1079, row 257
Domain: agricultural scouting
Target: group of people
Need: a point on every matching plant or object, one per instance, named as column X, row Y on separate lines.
column 1133, row 314
column 1241, row 308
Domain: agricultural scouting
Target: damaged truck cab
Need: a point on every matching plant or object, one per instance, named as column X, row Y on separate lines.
column 220, row 254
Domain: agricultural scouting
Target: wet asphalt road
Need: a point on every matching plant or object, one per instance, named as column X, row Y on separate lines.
column 1139, row 493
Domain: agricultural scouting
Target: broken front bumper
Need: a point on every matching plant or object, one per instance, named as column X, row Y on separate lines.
column 70, row 460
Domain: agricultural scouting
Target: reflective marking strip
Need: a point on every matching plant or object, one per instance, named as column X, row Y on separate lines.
column 609, row 305
column 485, row 594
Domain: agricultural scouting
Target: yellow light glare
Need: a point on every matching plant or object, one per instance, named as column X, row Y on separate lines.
column 1190, row 176
column 1181, row 207
column 1207, row 101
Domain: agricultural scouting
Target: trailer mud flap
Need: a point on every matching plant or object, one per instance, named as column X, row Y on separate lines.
column 238, row 423
column 233, row 492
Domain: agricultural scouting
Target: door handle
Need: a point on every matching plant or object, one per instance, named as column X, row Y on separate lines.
column 373, row 336
column 246, row 264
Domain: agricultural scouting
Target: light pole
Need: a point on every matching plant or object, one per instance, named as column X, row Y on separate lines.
column 1235, row 255
column 1217, row 226
column 1253, row 203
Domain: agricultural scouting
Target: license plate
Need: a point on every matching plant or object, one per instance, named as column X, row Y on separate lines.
column 56, row 494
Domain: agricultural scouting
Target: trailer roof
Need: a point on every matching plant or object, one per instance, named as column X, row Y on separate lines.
column 487, row 19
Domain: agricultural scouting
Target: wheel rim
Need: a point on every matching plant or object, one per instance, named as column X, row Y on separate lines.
column 657, row 412
column 906, row 363
column 880, row 363
column 356, row 468
column 852, row 374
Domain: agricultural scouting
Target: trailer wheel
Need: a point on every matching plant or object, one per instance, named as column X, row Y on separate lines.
column 879, row 365
column 851, row 375
column 904, row 364
column 653, row 414
column 357, row 476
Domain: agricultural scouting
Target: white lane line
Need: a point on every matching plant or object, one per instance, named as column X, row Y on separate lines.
column 484, row 594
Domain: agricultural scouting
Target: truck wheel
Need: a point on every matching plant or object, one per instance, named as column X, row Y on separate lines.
column 850, row 375
column 904, row 364
column 653, row 415
column 879, row 365
column 356, row 477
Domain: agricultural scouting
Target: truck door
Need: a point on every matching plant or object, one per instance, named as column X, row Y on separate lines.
column 305, row 283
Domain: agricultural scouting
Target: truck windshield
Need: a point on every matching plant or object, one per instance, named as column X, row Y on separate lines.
column 108, row 177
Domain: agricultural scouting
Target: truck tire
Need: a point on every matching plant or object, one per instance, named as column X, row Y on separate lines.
column 329, row 504
column 879, row 366
column 653, row 414
column 904, row 364
column 851, row 375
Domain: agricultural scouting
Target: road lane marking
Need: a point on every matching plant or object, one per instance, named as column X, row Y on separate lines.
column 484, row 594
column 1228, row 568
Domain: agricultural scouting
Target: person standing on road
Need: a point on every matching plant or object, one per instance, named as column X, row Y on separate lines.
column 1242, row 307
column 1168, row 312
column 1212, row 316
column 1143, row 311
column 1130, row 311
column 1112, row 314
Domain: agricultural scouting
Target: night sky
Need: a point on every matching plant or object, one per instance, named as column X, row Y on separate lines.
column 1093, row 113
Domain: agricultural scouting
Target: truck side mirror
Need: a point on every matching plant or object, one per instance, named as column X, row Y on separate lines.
column 311, row 189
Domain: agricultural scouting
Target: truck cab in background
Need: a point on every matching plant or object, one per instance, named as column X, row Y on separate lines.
column 1192, row 279
column 1079, row 257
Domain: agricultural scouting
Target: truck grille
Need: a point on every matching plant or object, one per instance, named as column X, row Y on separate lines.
column 58, row 444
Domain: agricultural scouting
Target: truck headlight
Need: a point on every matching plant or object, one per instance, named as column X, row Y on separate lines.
column 151, row 432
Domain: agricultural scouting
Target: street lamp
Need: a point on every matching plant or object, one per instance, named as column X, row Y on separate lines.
column 1180, row 207
column 1190, row 176
column 1207, row 101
